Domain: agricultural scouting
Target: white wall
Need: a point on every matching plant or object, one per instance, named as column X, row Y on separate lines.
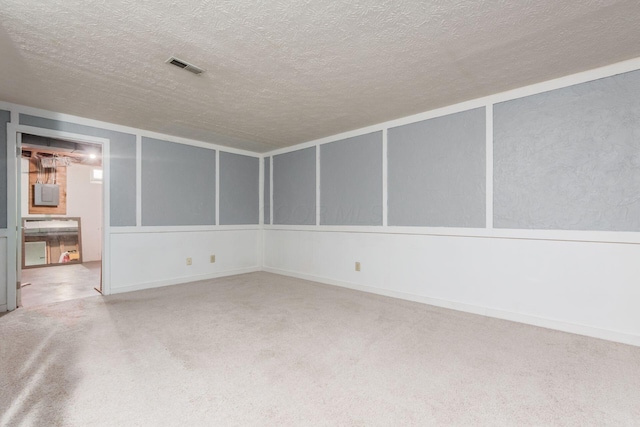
column 84, row 200
column 583, row 287
column 24, row 188
column 141, row 260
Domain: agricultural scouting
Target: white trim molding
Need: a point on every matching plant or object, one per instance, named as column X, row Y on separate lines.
column 182, row 228
column 217, row 207
column 489, row 166
column 318, row 189
column 186, row 279
column 385, row 191
column 12, row 219
column 621, row 237
column 138, row 181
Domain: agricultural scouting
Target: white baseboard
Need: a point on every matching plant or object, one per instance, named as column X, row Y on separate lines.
column 3, row 308
column 605, row 334
column 181, row 280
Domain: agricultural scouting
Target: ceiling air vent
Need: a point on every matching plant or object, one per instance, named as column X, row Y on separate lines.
column 185, row 65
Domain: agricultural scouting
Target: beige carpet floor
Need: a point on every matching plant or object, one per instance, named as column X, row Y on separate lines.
column 262, row 349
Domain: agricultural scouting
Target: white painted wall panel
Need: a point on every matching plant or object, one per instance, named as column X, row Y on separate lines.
column 145, row 260
column 582, row 287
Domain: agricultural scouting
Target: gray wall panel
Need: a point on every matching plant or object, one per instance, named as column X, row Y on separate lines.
column 351, row 181
column 267, row 190
column 122, row 180
column 437, row 173
column 294, row 187
column 5, row 117
column 570, row 158
column 122, row 165
column 178, row 184
column 239, row 189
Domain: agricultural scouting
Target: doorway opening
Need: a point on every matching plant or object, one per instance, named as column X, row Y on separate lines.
column 60, row 220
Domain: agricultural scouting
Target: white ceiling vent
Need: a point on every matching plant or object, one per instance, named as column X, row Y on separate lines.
column 184, row 65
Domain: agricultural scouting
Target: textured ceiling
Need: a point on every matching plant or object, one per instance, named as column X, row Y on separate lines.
column 280, row 72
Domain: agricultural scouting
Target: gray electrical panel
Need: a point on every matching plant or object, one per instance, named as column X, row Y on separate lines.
column 46, row 194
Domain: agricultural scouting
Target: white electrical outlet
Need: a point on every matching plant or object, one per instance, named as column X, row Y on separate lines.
column 189, row 261
column 212, row 259
column 357, row 266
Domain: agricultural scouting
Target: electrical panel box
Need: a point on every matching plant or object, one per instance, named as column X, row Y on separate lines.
column 46, row 194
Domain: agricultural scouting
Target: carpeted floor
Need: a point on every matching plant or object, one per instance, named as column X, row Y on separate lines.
column 262, row 349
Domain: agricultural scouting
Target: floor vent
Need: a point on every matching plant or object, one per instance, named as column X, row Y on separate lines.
column 185, row 65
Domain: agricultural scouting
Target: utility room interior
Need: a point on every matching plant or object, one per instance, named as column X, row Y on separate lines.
column 61, row 209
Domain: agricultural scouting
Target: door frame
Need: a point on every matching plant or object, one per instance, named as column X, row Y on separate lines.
column 14, row 219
